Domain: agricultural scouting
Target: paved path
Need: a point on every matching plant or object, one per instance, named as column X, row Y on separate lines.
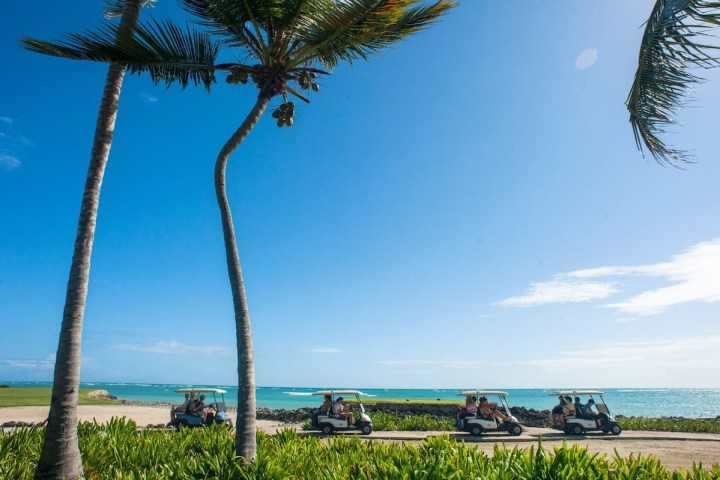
column 532, row 434
column 676, row 451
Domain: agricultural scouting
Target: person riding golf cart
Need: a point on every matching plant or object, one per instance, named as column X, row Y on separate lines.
column 481, row 415
column 195, row 413
column 586, row 420
column 337, row 416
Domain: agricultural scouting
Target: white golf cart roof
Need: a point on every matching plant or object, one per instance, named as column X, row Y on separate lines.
column 200, row 390
column 483, row 392
column 339, row 392
column 572, row 393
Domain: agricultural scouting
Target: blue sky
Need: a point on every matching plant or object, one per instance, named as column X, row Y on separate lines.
column 466, row 210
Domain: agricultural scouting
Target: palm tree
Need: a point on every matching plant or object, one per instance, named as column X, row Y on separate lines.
column 60, row 457
column 673, row 42
column 286, row 44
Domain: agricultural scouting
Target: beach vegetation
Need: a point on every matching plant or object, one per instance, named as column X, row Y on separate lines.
column 119, row 450
column 689, row 425
column 674, row 41
column 281, row 48
column 407, row 401
column 388, row 421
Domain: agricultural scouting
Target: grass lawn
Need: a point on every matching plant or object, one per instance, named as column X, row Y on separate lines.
column 40, row 396
column 372, row 401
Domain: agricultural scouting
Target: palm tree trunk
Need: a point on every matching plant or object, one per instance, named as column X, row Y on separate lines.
column 60, row 457
column 245, row 434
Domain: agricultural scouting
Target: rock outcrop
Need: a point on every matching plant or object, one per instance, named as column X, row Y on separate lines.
column 101, row 394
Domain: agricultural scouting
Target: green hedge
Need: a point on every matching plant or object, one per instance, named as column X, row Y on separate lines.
column 691, row 425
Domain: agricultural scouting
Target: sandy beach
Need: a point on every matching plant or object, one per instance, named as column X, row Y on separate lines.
column 676, row 451
column 141, row 415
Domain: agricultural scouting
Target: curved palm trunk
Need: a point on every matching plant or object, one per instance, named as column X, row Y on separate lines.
column 60, row 457
column 245, row 436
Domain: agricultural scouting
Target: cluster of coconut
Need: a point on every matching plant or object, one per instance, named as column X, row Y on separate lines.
column 237, row 76
column 284, row 114
column 306, row 80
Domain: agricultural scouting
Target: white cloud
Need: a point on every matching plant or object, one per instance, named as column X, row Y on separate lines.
column 47, row 364
column 12, row 143
column 174, row 347
column 324, row 350
column 694, row 274
column 149, row 98
column 560, row 291
column 586, row 59
column 8, row 162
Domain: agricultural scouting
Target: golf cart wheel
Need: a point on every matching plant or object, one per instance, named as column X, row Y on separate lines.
column 182, row 423
column 326, row 428
column 366, row 429
column 476, row 430
column 515, row 429
column 577, row 429
column 615, row 429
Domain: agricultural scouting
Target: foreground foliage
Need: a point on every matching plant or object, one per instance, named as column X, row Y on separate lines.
column 119, row 451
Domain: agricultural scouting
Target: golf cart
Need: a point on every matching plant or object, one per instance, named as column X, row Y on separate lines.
column 578, row 425
column 184, row 416
column 476, row 424
column 329, row 421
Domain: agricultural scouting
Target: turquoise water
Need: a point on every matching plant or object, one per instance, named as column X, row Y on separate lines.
column 631, row 402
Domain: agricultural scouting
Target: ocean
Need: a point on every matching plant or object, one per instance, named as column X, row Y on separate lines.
column 645, row 402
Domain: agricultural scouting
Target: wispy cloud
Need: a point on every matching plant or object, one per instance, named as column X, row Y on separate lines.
column 560, row 290
column 12, row 143
column 8, row 162
column 47, row 364
column 149, row 98
column 694, row 274
column 324, row 350
column 173, row 347
column 586, row 59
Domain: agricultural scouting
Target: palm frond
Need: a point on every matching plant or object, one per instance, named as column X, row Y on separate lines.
column 673, row 43
column 162, row 49
column 114, row 8
column 355, row 29
column 241, row 23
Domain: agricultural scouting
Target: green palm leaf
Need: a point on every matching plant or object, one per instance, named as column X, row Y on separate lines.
column 114, row 8
column 355, row 29
column 162, row 49
column 672, row 43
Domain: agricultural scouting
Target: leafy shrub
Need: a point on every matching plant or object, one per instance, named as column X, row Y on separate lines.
column 691, row 425
column 384, row 421
column 120, row 451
